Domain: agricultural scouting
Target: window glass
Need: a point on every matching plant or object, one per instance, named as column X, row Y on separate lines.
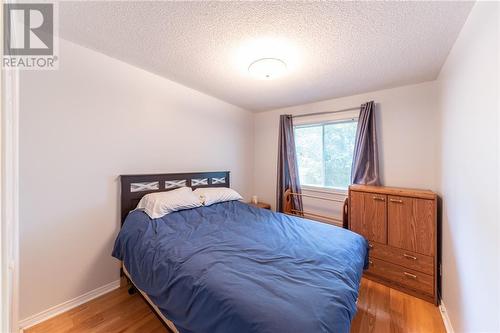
column 338, row 152
column 324, row 153
column 308, row 142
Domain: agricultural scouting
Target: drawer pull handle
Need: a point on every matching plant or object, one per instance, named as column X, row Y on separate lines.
column 378, row 199
column 396, row 201
column 370, row 262
column 412, row 276
column 370, row 245
column 407, row 256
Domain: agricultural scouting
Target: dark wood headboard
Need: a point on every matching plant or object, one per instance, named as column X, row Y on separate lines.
column 134, row 187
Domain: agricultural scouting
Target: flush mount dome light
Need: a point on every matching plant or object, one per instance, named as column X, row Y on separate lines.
column 267, row 68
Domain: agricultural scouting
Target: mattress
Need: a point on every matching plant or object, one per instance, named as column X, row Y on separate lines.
column 153, row 305
column 232, row 267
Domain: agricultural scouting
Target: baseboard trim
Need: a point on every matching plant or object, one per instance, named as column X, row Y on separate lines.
column 446, row 319
column 68, row 305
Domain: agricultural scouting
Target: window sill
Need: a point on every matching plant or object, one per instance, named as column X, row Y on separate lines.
column 328, row 190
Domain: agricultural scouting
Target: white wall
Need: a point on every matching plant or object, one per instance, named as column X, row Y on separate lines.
column 408, row 130
column 468, row 85
column 80, row 128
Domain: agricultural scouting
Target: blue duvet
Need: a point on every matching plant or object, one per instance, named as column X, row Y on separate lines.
column 231, row 267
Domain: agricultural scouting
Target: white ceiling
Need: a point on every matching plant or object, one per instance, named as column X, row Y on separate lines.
column 332, row 49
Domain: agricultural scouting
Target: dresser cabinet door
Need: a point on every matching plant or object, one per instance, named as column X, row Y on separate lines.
column 411, row 224
column 368, row 215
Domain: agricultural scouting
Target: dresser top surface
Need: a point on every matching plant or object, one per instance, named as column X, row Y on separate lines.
column 397, row 191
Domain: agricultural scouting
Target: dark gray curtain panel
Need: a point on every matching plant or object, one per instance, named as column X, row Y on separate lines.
column 288, row 172
column 365, row 169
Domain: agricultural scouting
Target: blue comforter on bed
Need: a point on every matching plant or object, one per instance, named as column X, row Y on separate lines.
column 231, row 267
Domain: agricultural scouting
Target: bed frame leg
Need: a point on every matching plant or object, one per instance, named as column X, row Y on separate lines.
column 132, row 290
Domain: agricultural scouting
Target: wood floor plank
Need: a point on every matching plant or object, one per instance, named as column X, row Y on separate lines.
column 380, row 310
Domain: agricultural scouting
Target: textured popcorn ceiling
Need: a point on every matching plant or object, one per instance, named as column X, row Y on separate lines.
column 332, row 49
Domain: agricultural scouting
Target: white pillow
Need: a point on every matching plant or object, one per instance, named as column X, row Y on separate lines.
column 211, row 195
column 162, row 203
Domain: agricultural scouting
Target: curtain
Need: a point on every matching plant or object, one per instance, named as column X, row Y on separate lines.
column 365, row 169
column 288, row 172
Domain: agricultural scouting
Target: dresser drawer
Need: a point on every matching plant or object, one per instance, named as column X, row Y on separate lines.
column 408, row 259
column 402, row 276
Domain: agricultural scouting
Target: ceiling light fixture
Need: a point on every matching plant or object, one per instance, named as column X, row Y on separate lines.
column 267, row 68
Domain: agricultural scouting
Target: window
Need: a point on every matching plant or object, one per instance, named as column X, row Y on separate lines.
column 324, row 153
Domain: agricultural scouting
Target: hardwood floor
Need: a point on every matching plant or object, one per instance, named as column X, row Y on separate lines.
column 380, row 309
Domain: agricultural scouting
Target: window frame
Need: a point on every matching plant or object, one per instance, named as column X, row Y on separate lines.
column 322, row 120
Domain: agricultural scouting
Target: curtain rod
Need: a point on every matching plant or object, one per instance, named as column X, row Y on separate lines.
column 325, row 112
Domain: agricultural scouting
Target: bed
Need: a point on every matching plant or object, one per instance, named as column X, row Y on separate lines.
column 232, row 267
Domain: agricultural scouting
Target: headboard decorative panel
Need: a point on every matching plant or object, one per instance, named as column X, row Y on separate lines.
column 134, row 187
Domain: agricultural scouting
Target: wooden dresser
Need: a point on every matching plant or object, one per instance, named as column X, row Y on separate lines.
column 401, row 227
